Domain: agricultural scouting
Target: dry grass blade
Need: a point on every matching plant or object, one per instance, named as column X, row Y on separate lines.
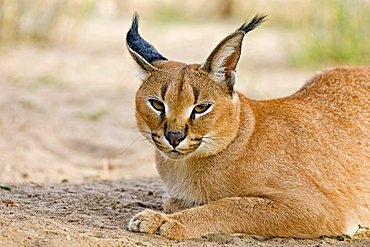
column 5, row 187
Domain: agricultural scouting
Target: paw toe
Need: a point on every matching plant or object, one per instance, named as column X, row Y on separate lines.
column 152, row 222
column 147, row 221
column 134, row 224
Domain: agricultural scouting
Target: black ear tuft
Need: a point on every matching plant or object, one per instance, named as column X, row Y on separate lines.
column 255, row 22
column 136, row 43
column 223, row 60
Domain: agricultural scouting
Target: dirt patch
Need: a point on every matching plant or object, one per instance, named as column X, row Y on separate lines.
column 96, row 214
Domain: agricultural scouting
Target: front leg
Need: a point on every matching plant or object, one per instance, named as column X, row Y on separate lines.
column 172, row 205
column 250, row 215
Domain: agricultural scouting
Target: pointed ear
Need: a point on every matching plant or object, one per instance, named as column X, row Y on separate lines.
column 221, row 63
column 141, row 51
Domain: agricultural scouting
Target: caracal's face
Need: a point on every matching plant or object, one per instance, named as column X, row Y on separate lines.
column 183, row 112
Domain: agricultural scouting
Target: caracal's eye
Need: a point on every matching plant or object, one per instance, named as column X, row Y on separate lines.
column 159, row 106
column 201, row 108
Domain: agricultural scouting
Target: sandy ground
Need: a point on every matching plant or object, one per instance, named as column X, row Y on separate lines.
column 96, row 214
column 68, row 142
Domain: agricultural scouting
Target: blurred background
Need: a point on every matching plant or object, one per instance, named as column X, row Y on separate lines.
column 67, row 83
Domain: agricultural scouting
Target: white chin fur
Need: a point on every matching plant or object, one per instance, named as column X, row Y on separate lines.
column 174, row 156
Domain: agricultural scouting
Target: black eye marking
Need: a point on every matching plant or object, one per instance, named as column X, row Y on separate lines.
column 192, row 116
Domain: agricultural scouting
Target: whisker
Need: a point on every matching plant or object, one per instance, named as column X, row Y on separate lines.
column 213, row 143
column 215, row 138
column 145, row 136
column 129, row 147
column 146, row 131
column 159, row 144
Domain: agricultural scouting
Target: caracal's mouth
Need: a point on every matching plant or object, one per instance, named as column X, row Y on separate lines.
column 179, row 154
column 175, row 154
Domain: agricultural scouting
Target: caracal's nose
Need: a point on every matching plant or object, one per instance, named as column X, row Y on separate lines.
column 174, row 138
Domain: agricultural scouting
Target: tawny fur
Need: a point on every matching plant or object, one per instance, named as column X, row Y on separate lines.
column 291, row 167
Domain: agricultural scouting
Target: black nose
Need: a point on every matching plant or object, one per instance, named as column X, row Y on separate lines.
column 174, row 138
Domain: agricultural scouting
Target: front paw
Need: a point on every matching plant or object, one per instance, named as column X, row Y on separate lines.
column 152, row 222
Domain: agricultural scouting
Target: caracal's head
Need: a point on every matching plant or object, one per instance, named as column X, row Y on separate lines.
column 188, row 110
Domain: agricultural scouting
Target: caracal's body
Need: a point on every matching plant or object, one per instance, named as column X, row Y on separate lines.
column 292, row 167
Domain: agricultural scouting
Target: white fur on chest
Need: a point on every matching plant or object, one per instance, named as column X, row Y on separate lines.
column 183, row 183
